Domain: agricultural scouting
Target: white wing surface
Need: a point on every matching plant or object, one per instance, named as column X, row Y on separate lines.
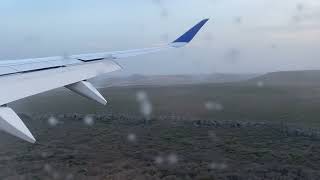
column 27, row 77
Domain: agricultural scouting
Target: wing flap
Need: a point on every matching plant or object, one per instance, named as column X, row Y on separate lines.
column 19, row 86
column 18, row 66
column 7, row 70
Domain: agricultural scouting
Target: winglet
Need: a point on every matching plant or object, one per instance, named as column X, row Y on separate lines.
column 189, row 35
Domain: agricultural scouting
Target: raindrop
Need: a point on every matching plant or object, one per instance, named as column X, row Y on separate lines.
column 88, row 120
column 31, row 39
column 146, row 109
column 232, row 55
column 56, row 175
column 53, row 121
column 213, row 165
column 213, row 106
column 159, row 160
column 217, row 166
column 145, row 104
column 157, row 1
column 260, row 84
column 69, row 177
column 164, row 12
column 238, row 20
column 300, row 7
column 65, row 55
column 223, row 166
column 141, row 96
column 47, row 168
column 132, row 137
column 212, row 135
column 165, row 37
column 208, row 37
column 297, row 18
column 173, row 159
column 100, row 71
column 44, row 154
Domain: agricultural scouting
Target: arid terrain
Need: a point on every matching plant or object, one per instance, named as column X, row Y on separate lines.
column 117, row 147
column 245, row 130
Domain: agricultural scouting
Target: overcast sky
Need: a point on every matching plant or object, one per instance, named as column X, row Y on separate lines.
column 243, row 36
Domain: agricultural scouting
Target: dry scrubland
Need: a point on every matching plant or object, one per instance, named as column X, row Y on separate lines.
column 297, row 105
column 256, row 132
column 119, row 147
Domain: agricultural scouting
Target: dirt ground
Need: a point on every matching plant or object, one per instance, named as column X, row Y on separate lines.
column 116, row 147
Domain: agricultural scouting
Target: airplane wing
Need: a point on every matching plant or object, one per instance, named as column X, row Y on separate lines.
column 27, row 77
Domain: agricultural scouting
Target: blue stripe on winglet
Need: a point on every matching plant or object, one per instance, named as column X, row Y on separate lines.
column 189, row 35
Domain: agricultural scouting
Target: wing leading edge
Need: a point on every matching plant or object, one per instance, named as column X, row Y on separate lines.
column 27, row 77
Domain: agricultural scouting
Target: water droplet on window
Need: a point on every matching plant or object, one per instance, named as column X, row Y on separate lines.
column 173, row 159
column 145, row 104
column 53, row 121
column 47, row 168
column 159, row 160
column 88, row 120
column 132, row 137
column 260, row 84
column 213, row 106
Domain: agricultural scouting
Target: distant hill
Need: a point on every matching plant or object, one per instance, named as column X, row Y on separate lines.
column 292, row 78
column 164, row 80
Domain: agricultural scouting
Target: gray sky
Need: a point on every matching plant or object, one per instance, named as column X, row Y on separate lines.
column 242, row 36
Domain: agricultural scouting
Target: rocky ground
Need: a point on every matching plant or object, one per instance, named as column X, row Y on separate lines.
column 115, row 147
